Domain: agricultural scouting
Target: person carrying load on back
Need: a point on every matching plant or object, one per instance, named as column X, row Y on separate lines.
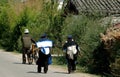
column 71, row 49
column 26, row 43
column 44, row 45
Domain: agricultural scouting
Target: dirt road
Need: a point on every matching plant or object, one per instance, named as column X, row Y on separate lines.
column 11, row 66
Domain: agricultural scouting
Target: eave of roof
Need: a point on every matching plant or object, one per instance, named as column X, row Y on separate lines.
column 105, row 6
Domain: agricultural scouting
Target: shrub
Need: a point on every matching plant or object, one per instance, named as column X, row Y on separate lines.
column 85, row 31
column 4, row 27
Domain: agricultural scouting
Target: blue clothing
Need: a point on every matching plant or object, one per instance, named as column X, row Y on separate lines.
column 44, row 54
column 44, row 44
column 43, row 39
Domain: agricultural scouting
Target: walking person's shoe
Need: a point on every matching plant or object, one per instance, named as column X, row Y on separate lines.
column 39, row 69
column 69, row 70
column 45, row 69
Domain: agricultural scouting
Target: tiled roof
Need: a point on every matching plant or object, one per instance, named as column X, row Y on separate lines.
column 105, row 6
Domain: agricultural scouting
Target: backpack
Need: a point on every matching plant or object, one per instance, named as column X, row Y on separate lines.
column 27, row 41
column 71, row 50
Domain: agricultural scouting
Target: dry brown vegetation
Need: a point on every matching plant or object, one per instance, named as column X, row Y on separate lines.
column 34, row 5
column 111, row 33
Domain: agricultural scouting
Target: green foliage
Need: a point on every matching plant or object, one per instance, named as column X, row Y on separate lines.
column 85, row 31
column 115, row 59
column 4, row 27
column 3, row 2
column 84, row 28
column 101, row 60
column 115, row 67
column 106, row 61
column 73, row 26
column 106, row 58
column 47, row 21
column 60, row 60
column 55, row 23
column 17, row 30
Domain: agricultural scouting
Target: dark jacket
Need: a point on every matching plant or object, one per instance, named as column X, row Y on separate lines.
column 27, row 40
column 69, row 54
column 70, row 43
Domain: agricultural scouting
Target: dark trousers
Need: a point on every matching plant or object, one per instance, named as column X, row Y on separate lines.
column 71, row 63
column 42, row 62
column 25, row 53
column 39, row 68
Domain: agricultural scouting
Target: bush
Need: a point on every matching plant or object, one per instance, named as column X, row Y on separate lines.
column 60, row 60
column 85, row 31
column 4, row 27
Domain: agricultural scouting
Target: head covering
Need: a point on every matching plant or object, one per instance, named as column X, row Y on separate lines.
column 69, row 37
column 43, row 35
column 26, row 31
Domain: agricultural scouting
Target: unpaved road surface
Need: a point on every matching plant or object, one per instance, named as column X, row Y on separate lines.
column 11, row 66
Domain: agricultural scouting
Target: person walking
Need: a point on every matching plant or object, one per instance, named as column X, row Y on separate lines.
column 71, row 49
column 44, row 45
column 26, row 43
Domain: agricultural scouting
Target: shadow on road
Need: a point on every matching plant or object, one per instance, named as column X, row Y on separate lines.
column 17, row 63
column 32, row 72
column 43, row 73
column 61, row 72
column 22, row 63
